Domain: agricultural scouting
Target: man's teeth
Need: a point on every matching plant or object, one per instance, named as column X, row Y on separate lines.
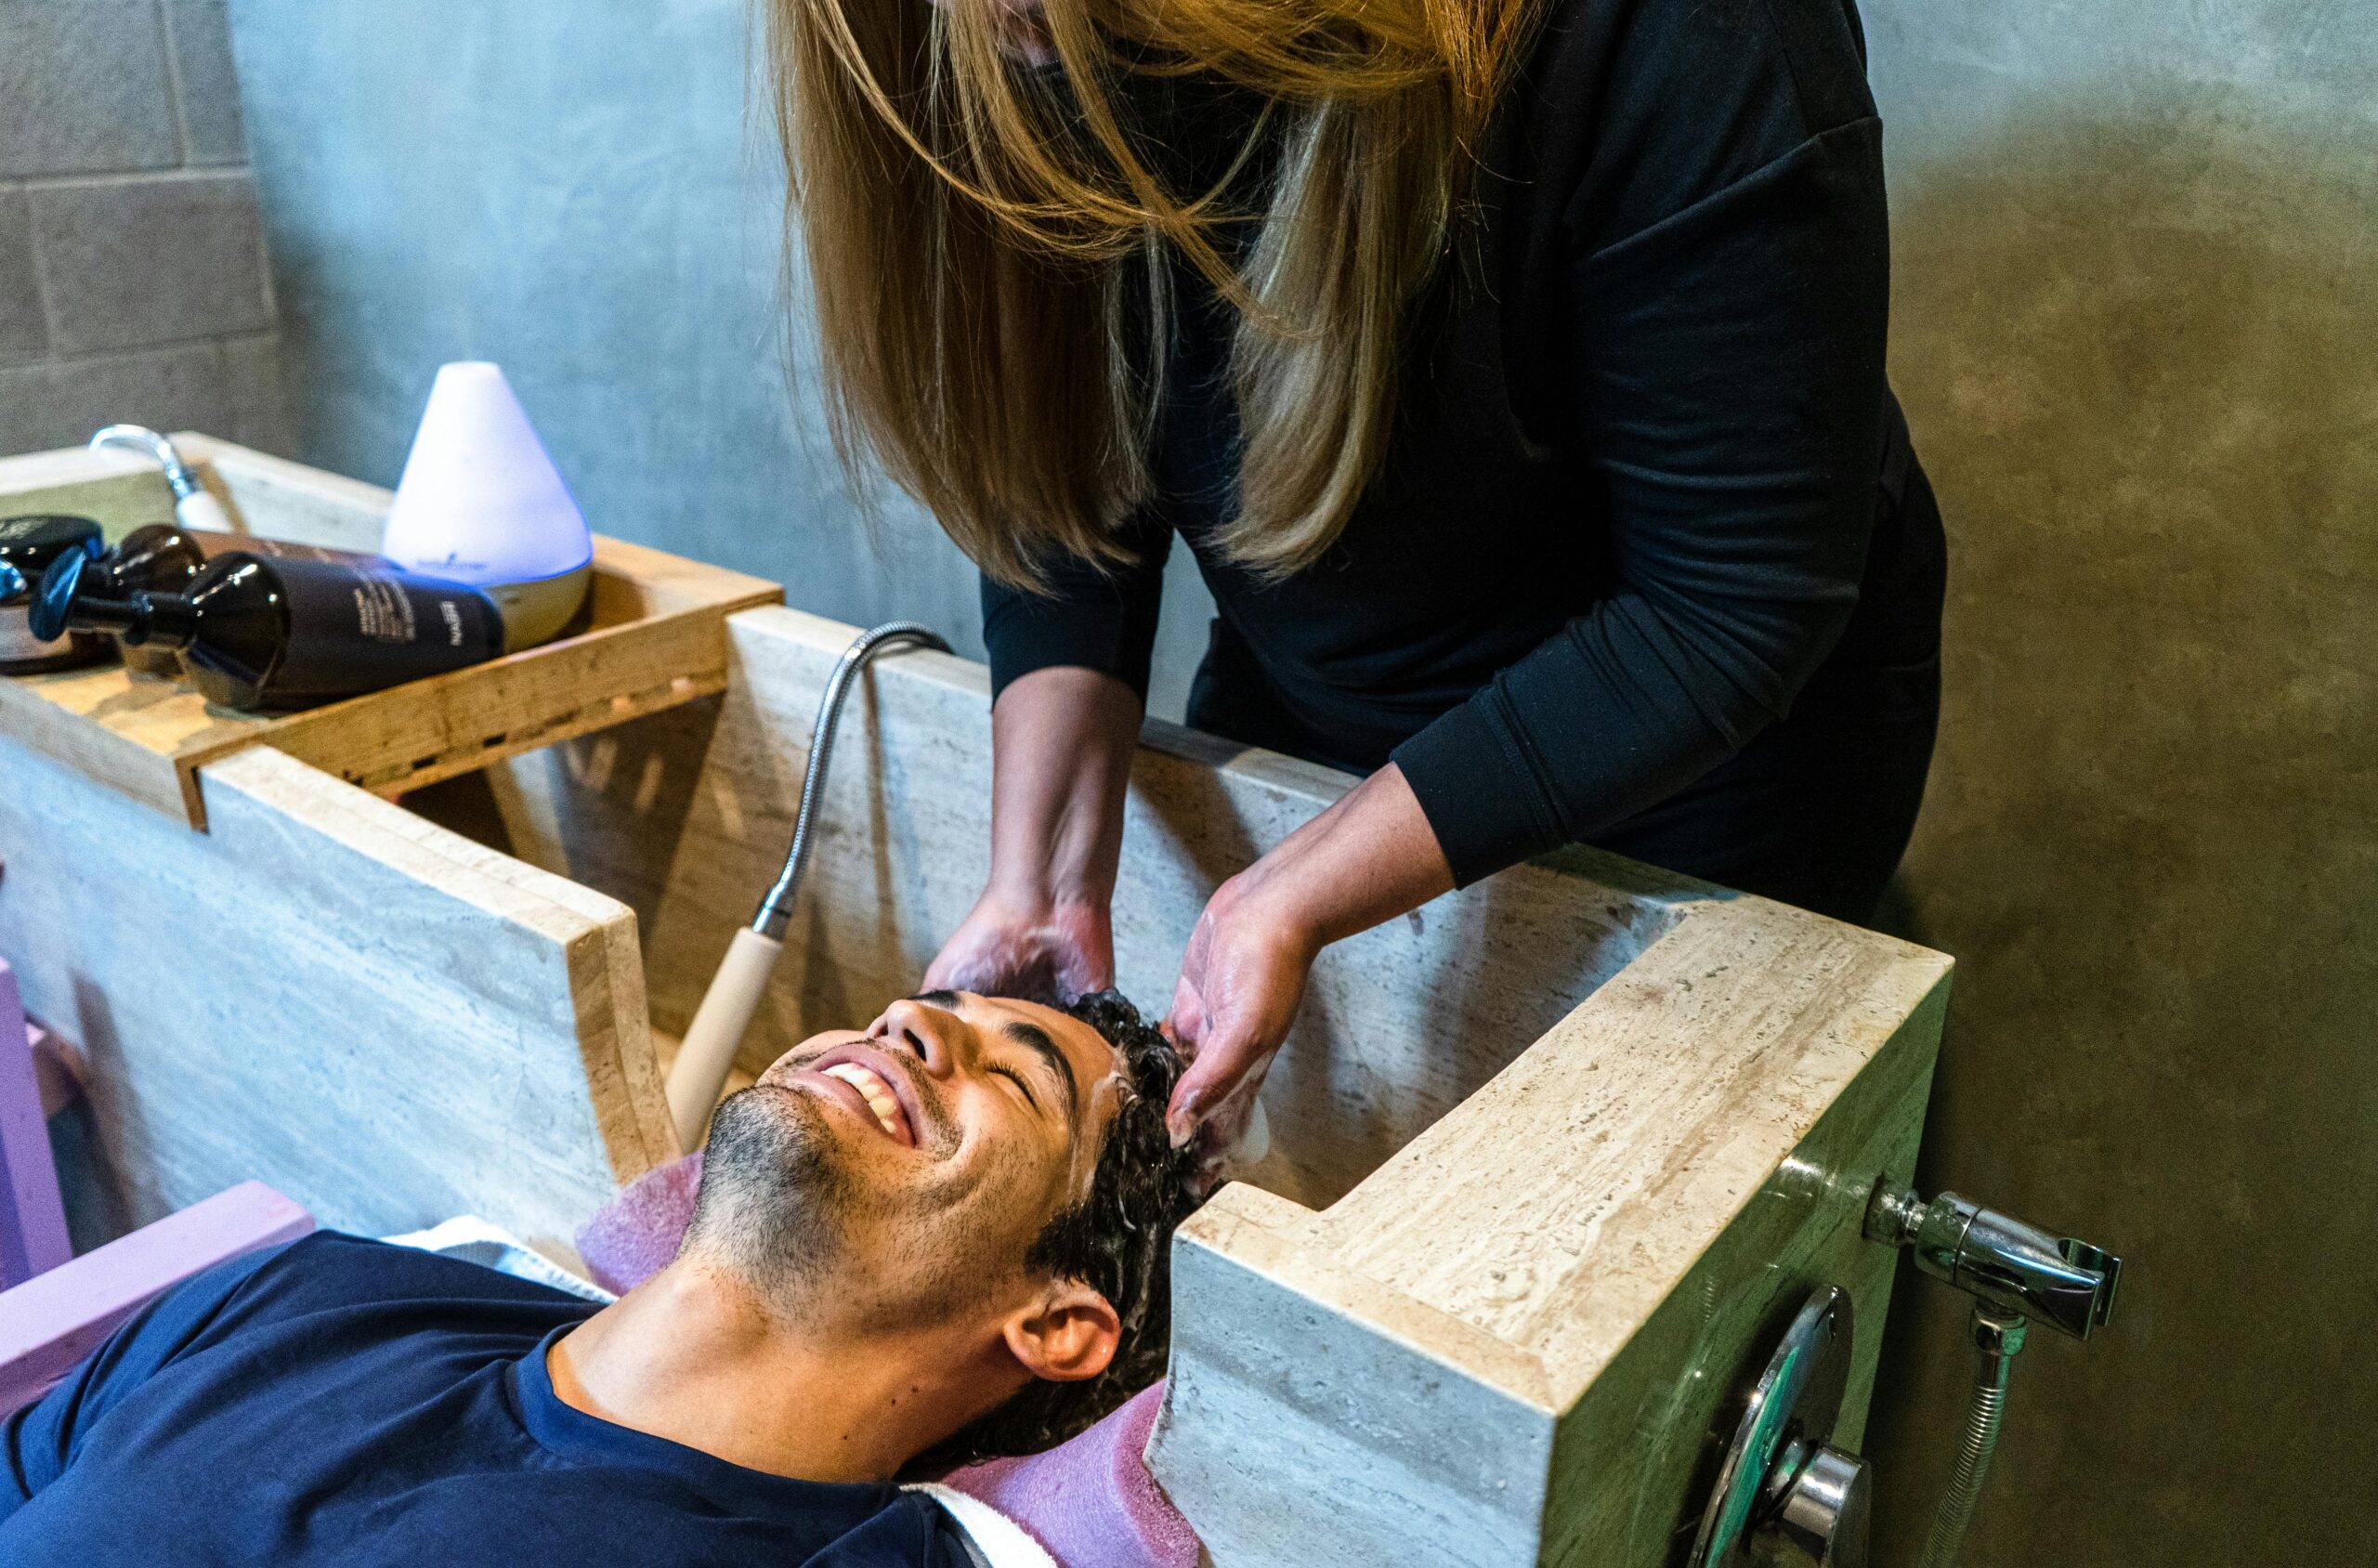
column 873, row 1090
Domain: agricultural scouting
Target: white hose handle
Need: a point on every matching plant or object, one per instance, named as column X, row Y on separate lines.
column 201, row 511
column 703, row 1061
column 193, row 508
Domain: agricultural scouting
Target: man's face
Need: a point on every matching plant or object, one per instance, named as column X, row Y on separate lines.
column 919, row 1159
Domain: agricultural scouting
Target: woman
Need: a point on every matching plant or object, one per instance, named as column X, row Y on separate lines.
column 1513, row 371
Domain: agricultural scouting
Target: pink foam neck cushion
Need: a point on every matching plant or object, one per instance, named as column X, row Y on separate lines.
column 635, row 1236
column 1089, row 1501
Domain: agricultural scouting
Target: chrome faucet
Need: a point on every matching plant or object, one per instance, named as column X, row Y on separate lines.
column 2014, row 1272
column 2007, row 1264
column 1784, row 1496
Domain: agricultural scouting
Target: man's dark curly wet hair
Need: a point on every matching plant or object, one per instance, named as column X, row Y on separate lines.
column 1117, row 1240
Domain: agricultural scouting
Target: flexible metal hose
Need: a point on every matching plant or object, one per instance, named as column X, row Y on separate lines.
column 707, row 1052
column 775, row 909
column 161, row 448
column 1998, row 1338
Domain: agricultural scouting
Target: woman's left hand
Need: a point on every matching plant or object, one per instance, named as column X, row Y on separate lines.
column 1366, row 859
column 1241, row 985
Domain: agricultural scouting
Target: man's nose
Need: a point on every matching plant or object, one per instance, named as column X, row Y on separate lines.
column 917, row 1029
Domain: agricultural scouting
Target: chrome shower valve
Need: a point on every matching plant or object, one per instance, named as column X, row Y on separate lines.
column 2063, row 1281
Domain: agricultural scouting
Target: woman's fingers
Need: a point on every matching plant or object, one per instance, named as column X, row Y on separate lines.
column 1241, row 982
column 981, row 955
column 1216, row 1071
column 1053, row 955
column 1222, row 1137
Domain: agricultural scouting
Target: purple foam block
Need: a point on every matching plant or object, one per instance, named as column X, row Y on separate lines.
column 1090, row 1501
column 55, row 1319
column 635, row 1236
column 33, row 1219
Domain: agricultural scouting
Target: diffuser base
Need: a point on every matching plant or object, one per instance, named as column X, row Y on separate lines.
column 535, row 612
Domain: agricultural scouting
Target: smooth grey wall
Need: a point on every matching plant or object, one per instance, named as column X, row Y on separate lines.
column 586, row 195
column 2136, row 328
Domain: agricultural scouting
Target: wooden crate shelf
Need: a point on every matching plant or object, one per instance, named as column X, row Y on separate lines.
column 655, row 636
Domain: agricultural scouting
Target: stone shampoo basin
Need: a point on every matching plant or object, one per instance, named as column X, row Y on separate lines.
column 1552, row 1160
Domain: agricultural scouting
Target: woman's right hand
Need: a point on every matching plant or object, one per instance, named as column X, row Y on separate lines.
column 1042, row 952
column 1061, row 758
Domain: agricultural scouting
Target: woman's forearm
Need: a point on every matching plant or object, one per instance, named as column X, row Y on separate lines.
column 1368, row 859
column 1061, row 741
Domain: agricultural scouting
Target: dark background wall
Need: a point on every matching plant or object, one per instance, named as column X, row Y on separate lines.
column 2137, row 307
column 133, row 284
column 2136, row 327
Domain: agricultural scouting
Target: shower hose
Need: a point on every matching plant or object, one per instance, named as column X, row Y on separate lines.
column 1998, row 1336
column 708, row 1050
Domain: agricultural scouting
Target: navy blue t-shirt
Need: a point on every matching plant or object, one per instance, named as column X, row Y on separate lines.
column 339, row 1401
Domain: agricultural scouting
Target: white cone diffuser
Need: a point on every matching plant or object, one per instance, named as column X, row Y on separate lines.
column 481, row 503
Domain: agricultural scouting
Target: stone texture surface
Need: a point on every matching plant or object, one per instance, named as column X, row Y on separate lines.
column 206, row 86
column 150, row 260
column 363, row 877
column 23, row 329
column 2136, row 269
column 84, row 88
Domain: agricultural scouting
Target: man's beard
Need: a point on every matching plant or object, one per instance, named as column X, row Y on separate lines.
column 775, row 1202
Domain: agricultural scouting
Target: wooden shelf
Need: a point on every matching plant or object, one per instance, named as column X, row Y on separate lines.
column 655, row 638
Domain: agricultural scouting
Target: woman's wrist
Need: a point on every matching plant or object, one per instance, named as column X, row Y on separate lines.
column 1034, row 897
column 1062, row 743
column 1369, row 857
column 1271, row 901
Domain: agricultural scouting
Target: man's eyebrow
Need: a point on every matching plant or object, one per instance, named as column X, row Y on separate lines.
column 1036, row 1038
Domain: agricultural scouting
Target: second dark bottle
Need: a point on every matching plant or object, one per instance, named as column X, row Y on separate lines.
column 164, row 557
column 255, row 632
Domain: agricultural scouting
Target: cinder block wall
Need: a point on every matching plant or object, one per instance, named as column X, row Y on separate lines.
column 133, row 284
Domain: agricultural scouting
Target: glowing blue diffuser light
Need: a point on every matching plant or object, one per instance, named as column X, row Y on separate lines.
column 481, row 503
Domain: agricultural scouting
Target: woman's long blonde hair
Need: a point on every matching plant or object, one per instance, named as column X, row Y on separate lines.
column 982, row 239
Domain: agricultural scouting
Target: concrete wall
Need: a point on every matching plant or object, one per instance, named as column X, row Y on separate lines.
column 133, row 284
column 2136, row 327
column 2137, row 298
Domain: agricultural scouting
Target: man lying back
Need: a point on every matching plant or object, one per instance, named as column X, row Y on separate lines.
column 944, row 1236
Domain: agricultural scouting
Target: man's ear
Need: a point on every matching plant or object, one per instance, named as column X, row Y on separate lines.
column 1070, row 1334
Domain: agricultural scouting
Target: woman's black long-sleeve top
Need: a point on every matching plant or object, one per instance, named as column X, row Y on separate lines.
column 1647, row 470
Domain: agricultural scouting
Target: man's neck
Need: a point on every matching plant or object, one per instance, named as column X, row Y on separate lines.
column 694, row 1356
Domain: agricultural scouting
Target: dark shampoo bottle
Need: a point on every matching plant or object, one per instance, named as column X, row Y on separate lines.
column 259, row 632
column 165, row 558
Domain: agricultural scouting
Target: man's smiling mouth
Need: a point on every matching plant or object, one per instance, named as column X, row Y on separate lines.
column 879, row 1097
